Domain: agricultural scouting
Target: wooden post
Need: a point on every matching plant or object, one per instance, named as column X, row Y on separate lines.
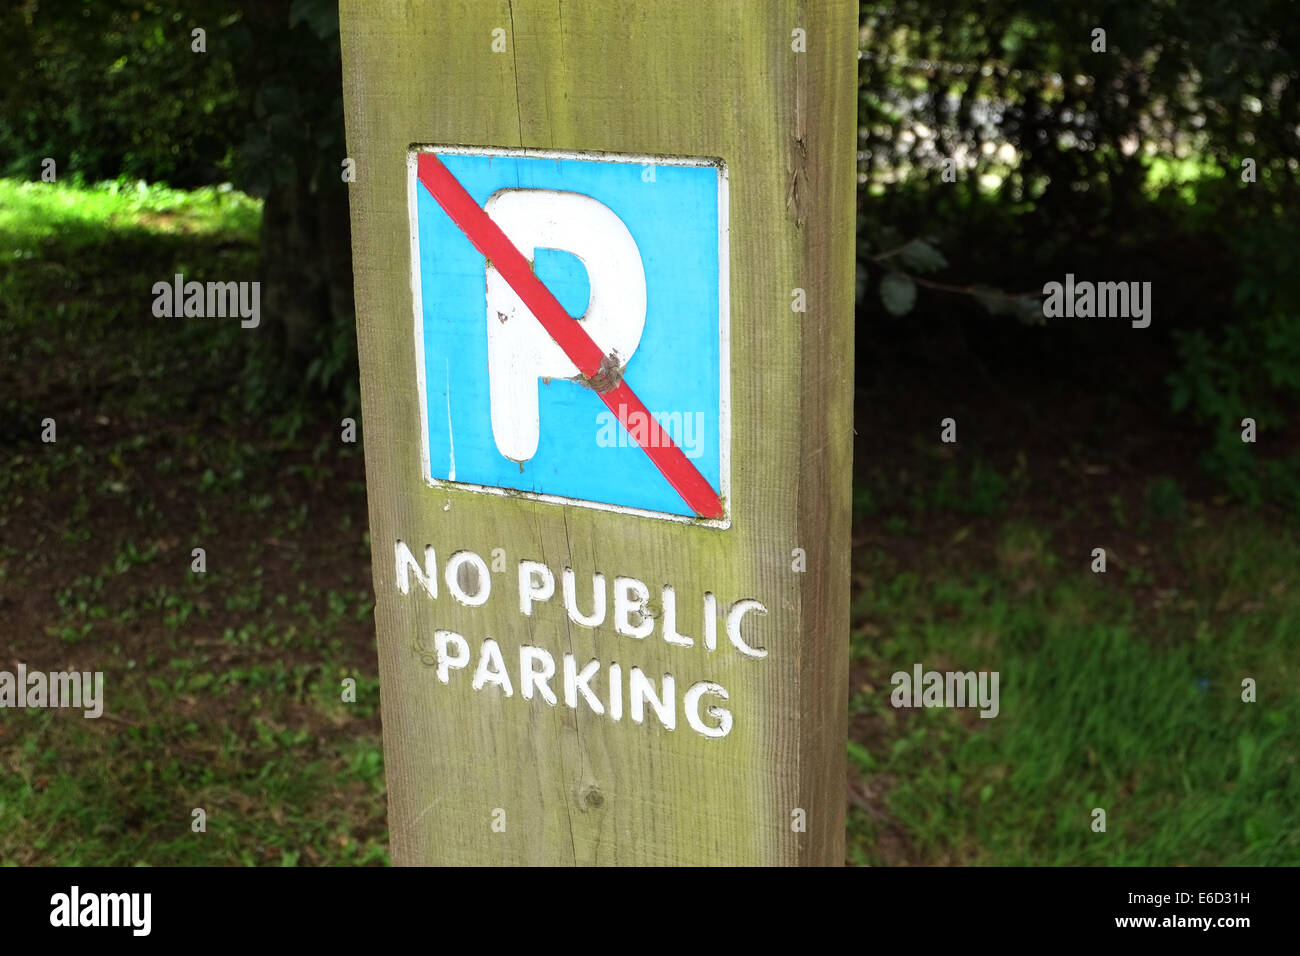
column 513, row 732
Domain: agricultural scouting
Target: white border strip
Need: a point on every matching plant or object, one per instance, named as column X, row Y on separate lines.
column 724, row 324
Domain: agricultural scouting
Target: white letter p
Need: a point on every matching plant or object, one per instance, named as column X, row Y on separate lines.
column 519, row 350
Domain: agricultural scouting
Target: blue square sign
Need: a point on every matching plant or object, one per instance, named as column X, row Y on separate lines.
column 572, row 327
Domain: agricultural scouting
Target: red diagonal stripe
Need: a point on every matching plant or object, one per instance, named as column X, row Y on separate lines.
column 567, row 331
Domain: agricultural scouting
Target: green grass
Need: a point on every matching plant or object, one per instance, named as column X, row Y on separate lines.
column 32, row 213
column 222, row 690
column 1138, row 713
column 122, row 793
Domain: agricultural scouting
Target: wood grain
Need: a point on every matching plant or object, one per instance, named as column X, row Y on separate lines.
column 709, row 78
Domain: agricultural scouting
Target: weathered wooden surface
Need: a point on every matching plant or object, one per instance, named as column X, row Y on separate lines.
column 709, row 78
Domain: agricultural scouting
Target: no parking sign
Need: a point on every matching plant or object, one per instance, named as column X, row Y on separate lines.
column 607, row 460
column 572, row 327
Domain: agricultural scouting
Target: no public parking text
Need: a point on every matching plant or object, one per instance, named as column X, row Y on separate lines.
column 469, row 582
